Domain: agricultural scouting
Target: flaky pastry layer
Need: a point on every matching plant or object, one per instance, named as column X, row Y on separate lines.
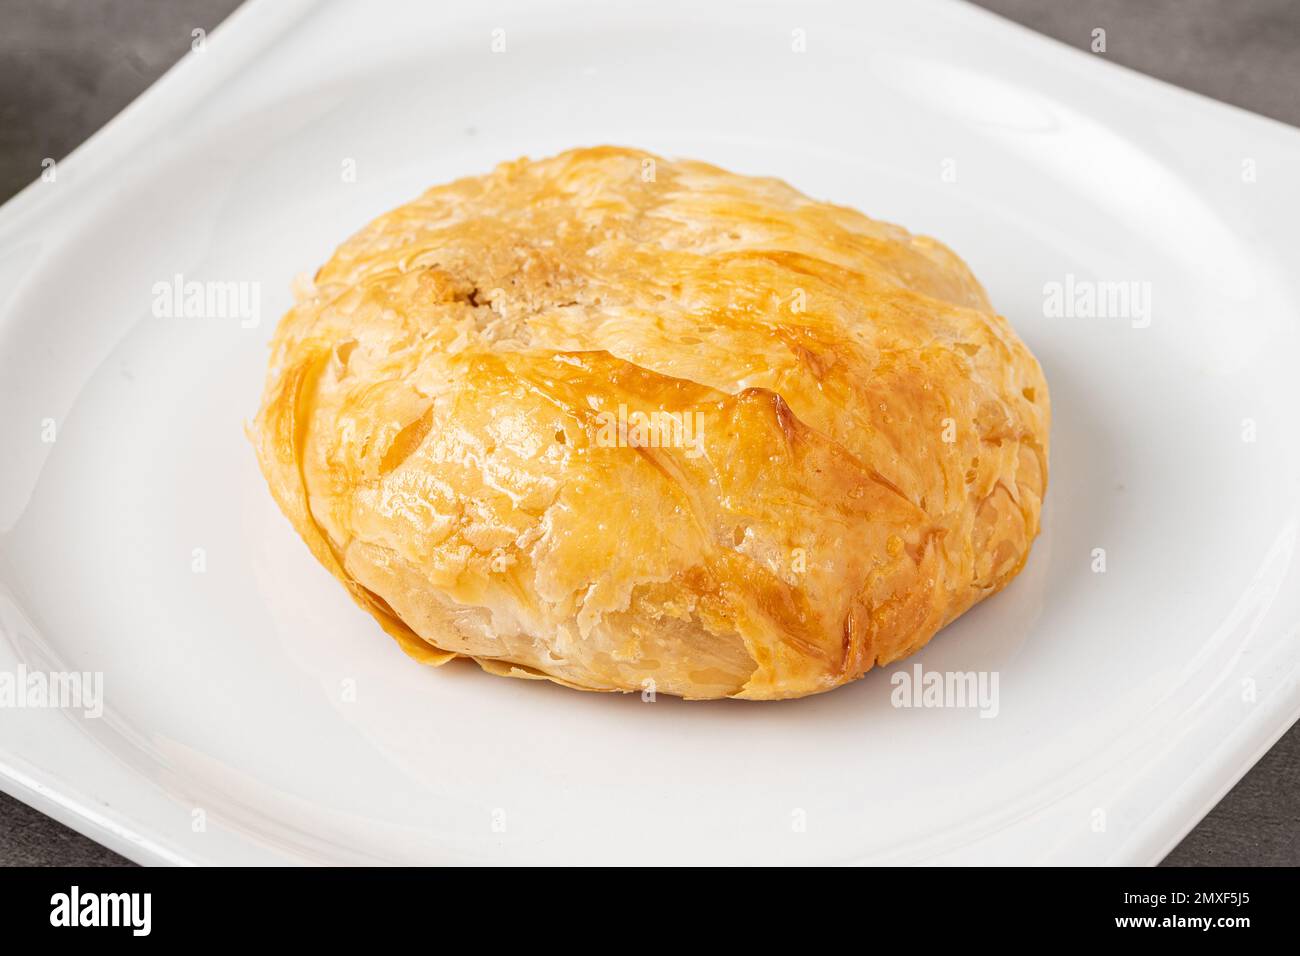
column 627, row 423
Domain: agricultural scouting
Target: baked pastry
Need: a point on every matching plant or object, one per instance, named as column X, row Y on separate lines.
column 626, row 423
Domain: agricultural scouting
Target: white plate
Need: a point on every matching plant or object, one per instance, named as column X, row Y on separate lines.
column 1130, row 700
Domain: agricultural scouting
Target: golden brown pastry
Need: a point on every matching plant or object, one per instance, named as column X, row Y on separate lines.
column 624, row 422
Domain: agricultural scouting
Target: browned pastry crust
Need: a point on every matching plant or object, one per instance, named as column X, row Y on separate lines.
column 862, row 451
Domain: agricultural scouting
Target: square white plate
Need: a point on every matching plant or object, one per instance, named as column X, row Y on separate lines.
column 254, row 715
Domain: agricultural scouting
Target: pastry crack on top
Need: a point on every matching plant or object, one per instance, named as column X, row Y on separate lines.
column 625, row 422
